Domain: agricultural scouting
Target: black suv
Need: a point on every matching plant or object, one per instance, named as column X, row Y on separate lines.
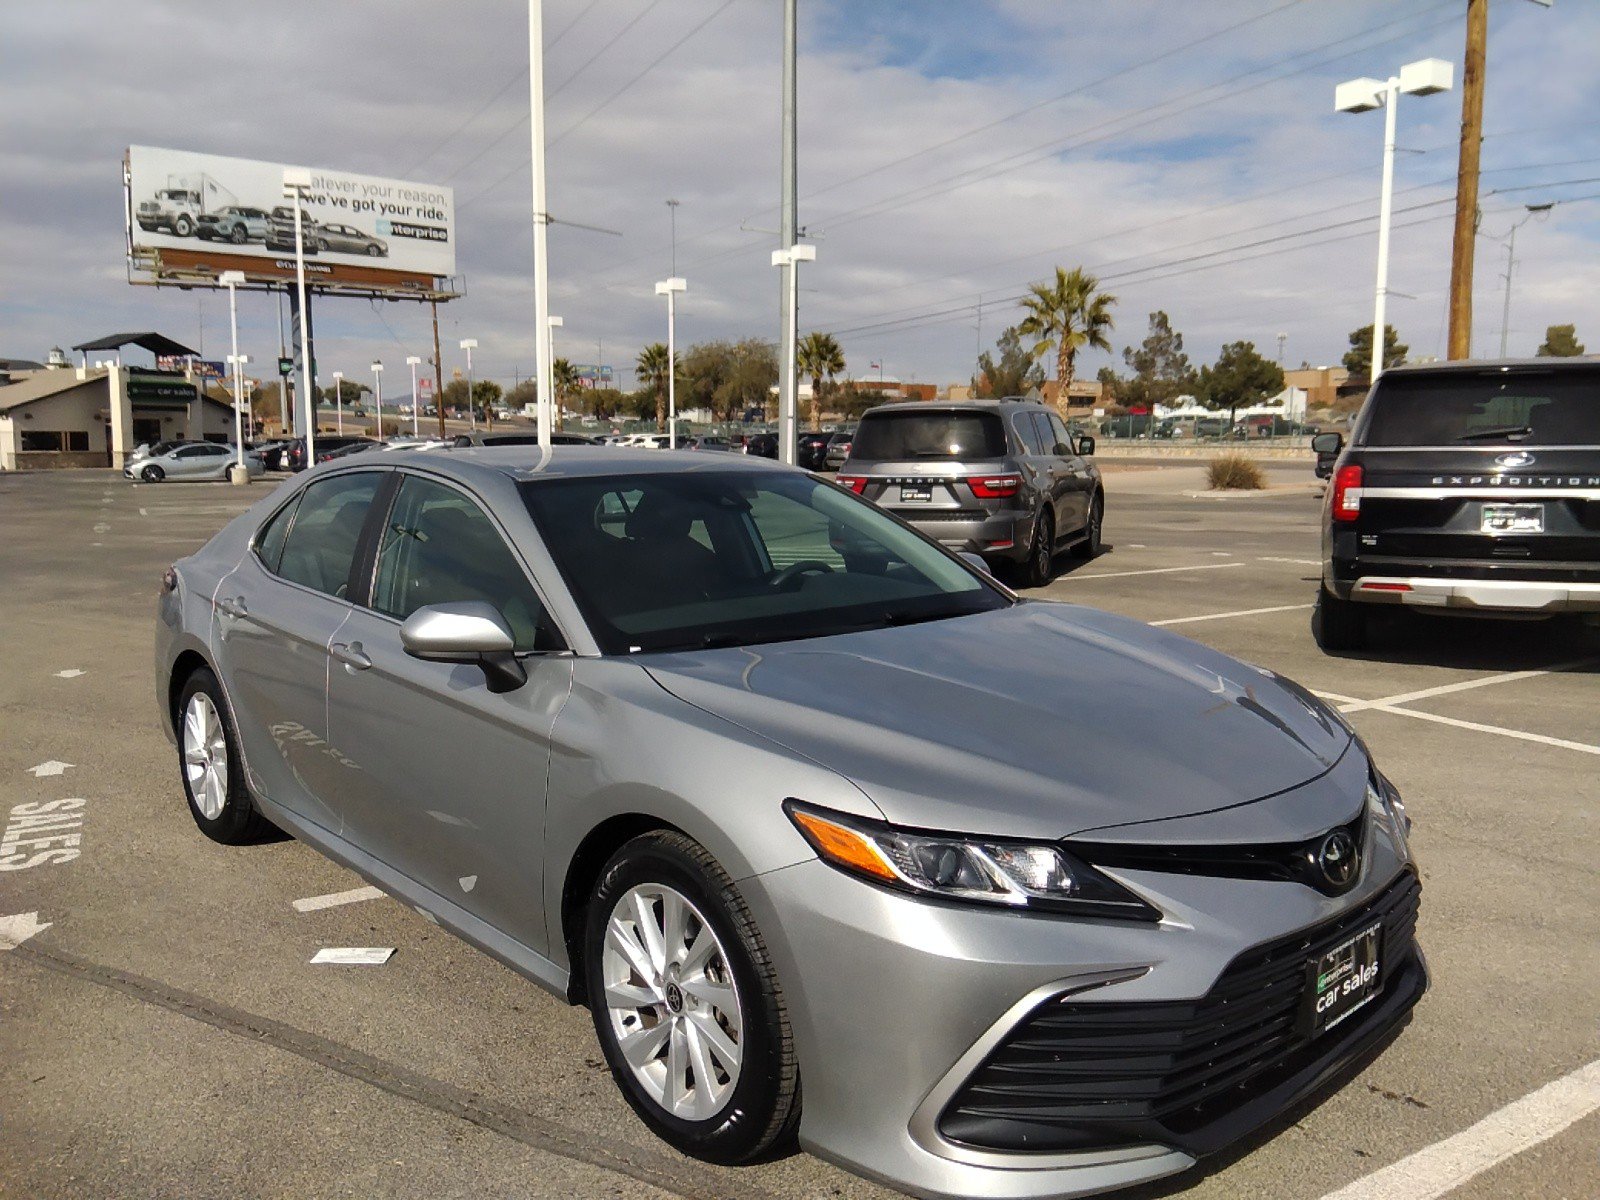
column 1470, row 486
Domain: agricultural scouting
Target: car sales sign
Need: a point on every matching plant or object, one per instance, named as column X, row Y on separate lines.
column 182, row 202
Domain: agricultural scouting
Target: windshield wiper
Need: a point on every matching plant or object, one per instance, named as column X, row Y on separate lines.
column 1499, row 431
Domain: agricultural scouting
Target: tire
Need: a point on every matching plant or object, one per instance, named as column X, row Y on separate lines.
column 741, row 1116
column 1089, row 547
column 1039, row 567
column 373, row 251
column 236, row 235
column 219, row 801
column 152, row 474
column 183, row 227
column 1338, row 625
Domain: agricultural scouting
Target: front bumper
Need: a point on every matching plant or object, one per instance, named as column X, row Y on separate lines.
column 1485, row 595
column 897, row 1003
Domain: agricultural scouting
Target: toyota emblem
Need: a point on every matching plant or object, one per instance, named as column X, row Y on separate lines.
column 1339, row 859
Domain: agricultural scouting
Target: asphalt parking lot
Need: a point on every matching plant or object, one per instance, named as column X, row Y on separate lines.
column 166, row 1036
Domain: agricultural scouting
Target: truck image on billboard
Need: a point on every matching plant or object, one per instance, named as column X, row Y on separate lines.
column 185, row 207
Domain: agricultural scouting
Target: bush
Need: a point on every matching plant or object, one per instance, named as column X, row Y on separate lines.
column 1235, row 472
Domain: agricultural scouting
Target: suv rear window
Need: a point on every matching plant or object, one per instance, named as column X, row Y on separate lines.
column 1530, row 408
column 935, row 434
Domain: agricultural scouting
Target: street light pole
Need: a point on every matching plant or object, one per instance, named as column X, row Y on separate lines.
column 338, row 400
column 555, row 324
column 1421, row 78
column 1534, row 210
column 541, row 220
column 788, row 432
column 470, row 344
column 377, row 394
column 670, row 289
column 413, row 361
column 231, row 280
column 788, row 389
column 295, row 182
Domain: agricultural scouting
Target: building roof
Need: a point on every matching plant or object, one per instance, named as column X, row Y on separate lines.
column 20, row 364
column 156, row 343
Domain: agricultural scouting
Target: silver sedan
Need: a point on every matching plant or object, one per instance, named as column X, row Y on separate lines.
column 1037, row 901
column 191, row 460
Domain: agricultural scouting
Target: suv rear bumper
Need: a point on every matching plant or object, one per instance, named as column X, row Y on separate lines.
column 1493, row 595
column 1005, row 534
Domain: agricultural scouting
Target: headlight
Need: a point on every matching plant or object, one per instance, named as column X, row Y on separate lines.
column 1032, row 875
column 1382, row 796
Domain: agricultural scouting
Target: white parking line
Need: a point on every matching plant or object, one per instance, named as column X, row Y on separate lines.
column 1238, row 612
column 334, row 899
column 1154, row 571
column 1477, row 727
column 1445, row 689
column 1299, row 562
column 1444, row 1166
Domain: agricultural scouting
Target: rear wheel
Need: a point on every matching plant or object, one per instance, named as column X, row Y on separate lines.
column 213, row 773
column 686, row 1002
column 152, row 474
column 1338, row 624
column 1040, row 565
column 1089, row 547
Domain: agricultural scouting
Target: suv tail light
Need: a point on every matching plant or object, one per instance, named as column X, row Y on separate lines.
column 1347, row 493
column 994, row 487
column 856, row 483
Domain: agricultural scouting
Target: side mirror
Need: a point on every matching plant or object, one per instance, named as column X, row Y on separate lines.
column 1085, row 445
column 1327, row 446
column 975, row 561
column 468, row 631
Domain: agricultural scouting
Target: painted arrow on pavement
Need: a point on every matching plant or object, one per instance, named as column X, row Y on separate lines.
column 15, row 930
column 48, row 768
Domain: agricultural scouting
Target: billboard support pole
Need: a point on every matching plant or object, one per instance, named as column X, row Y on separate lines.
column 541, row 221
column 294, row 183
column 438, row 372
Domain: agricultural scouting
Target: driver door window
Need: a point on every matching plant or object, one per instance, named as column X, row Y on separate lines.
column 439, row 547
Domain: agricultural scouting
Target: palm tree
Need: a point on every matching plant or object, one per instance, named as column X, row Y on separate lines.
column 1069, row 315
column 565, row 378
column 651, row 369
column 819, row 356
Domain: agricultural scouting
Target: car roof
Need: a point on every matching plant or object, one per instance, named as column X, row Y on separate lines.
column 528, row 463
column 975, row 405
column 1482, row 365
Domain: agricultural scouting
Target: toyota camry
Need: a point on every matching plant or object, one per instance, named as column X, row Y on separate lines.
column 1024, row 898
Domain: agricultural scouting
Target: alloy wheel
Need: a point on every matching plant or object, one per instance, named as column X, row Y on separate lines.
column 671, row 1002
column 205, row 756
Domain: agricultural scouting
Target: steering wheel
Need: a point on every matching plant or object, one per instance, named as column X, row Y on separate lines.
column 792, row 573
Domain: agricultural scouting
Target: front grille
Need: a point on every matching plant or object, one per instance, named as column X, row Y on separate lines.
column 1079, row 1075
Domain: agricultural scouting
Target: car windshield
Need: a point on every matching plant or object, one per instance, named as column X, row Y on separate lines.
column 703, row 559
column 947, row 433
column 1529, row 407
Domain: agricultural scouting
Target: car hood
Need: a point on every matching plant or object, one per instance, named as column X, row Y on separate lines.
column 1040, row 720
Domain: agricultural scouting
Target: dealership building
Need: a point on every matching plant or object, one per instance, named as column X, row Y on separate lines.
column 95, row 414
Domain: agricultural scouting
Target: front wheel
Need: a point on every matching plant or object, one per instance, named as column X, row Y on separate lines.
column 686, row 1002
column 236, row 235
column 183, row 227
column 152, row 474
column 1338, row 625
column 373, row 251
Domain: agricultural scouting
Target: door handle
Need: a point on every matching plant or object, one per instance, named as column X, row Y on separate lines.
column 351, row 655
column 233, row 606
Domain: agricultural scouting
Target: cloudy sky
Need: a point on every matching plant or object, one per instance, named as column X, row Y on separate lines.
column 950, row 152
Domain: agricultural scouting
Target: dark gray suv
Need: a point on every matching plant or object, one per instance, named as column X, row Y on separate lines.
column 1000, row 478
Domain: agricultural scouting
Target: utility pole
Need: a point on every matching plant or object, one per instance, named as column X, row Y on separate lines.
column 438, row 373
column 541, row 221
column 1467, row 181
column 787, row 368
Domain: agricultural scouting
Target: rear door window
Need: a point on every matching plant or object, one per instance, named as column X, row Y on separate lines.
column 321, row 545
column 935, row 434
column 1527, row 408
column 1028, row 431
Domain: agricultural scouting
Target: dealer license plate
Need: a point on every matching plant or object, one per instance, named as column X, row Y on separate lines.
column 921, row 493
column 1341, row 982
column 1513, row 518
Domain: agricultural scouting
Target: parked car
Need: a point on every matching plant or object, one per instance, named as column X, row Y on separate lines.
column 839, row 443
column 761, row 445
column 557, row 438
column 271, row 453
column 191, row 460
column 704, row 442
column 1003, row 479
column 147, row 450
column 1465, row 487
column 280, row 230
column 811, row 450
column 364, row 446
column 785, row 792
column 235, row 223
column 347, row 239
column 294, row 458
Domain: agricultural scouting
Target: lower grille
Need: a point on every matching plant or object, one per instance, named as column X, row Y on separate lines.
column 1079, row 1075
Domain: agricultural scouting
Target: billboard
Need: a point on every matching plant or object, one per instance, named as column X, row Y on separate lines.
column 201, row 214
